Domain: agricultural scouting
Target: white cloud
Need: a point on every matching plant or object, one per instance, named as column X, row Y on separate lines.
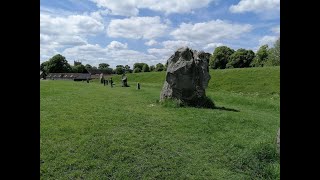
column 47, row 51
column 44, row 38
column 131, row 7
column 209, row 32
column 95, row 54
column 270, row 40
column 97, row 15
column 174, row 6
column 276, row 29
column 114, row 45
column 257, row 6
column 162, row 54
column 116, row 7
column 85, row 50
column 174, row 45
column 70, row 25
column 130, row 57
column 137, row 28
column 54, row 11
column 168, row 49
column 151, row 42
column 61, row 31
column 211, row 46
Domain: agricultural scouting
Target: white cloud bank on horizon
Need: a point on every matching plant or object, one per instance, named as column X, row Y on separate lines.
column 131, row 7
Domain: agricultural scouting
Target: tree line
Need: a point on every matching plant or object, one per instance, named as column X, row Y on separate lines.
column 223, row 57
column 59, row 64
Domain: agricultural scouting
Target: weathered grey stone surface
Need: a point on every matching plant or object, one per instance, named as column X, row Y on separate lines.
column 278, row 141
column 124, row 81
column 101, row 78
column 187, row 77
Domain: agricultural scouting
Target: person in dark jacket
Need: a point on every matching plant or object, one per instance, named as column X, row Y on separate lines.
column 111, row 82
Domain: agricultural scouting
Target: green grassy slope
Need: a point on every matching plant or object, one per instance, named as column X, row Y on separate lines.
column 91, row 131
column 264, row 81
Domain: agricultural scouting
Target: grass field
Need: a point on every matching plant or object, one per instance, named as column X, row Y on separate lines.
column 91, row 131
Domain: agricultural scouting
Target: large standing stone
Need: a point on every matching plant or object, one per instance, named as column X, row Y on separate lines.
column 187, row 77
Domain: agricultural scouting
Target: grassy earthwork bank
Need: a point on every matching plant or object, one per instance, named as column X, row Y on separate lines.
column 91, row 131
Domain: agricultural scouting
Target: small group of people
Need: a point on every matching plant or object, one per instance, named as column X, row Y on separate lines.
column 106, row 82
column 123, row 79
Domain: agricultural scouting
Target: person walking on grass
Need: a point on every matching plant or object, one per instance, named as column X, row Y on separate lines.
column 111, row 82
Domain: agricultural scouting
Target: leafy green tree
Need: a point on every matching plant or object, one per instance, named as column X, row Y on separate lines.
column 119, row 69
column 56, row 64
column 159, row 67
column 274, row 54
column 240, row 59
column 136, row 70
column 75, row 63
column 108, row 71
column 44, row 67
column 103, row 66
column 145, row 68
column 127, row 69
column 249, row 58
column 152, row 68
column 88, row 66
column 138, row 65
column 261, row 57
column 79, row 69
column 220, row 57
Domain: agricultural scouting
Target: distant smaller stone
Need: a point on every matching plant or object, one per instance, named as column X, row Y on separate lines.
column 138, row 85
column 124, row 81
column 101, row 78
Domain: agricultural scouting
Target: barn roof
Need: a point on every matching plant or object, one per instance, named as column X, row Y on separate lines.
column 69, row 75
column 94, row 71
column 83, row 76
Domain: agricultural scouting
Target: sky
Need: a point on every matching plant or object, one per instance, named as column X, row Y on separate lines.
column 124, row 32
